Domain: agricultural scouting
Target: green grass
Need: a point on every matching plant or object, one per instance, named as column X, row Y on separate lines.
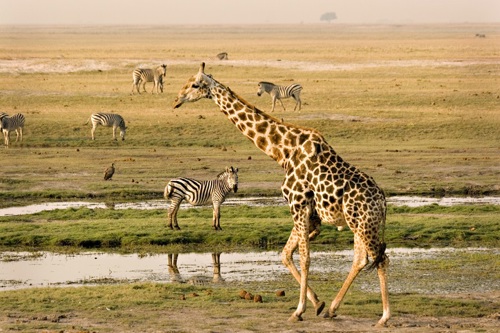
column 243, row 227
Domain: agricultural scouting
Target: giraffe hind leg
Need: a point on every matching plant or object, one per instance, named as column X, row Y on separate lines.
column 359, row 262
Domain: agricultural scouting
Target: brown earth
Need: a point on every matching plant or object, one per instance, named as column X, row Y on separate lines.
column 258, row 319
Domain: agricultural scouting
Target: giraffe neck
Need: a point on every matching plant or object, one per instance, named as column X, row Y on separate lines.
column 275, row 139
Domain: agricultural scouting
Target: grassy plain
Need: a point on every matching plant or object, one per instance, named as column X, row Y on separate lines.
column 416, row 107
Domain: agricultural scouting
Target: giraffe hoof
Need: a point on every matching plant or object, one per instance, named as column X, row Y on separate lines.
column 329, row 315
column 320, row 308
column 177, row 227
column 293, row 318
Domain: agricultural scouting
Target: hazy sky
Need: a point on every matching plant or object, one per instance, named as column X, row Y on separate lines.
column 245, row 11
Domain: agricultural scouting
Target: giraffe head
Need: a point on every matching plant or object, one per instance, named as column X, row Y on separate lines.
column 197, row 87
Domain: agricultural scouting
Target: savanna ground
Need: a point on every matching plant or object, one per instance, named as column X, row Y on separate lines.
column 416, row 107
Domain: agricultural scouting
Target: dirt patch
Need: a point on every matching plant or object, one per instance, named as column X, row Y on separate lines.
column 254, row 319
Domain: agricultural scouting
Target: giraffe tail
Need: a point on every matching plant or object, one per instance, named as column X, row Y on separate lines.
column 380, row 258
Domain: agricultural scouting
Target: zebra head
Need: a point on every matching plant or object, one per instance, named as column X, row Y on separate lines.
column 264, row 87
column 163, row 70
column 197, row 87
column 231, row 177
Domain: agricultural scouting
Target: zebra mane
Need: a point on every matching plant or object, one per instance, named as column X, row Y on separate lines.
column 266, row 82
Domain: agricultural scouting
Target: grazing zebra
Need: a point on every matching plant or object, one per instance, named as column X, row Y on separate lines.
column 14, row 123
column 108, row 120
column 144, row 75
column 279, row 92
column 200, row 193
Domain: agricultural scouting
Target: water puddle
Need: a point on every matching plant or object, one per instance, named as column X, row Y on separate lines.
column 411, row 201
column 420, row 270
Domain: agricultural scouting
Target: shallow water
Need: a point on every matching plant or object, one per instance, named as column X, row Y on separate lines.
column 411, row 201
column 411, row 270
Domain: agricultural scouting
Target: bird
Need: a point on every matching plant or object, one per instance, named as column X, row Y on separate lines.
column 109, row 172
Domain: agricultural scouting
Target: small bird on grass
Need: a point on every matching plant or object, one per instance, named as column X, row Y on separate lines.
column 109, row 172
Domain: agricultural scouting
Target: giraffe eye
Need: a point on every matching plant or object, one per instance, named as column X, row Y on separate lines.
column 195, row 86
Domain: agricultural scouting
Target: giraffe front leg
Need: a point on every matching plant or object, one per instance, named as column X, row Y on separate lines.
column 291, row 245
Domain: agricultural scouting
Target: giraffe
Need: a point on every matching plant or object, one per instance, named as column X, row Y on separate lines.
column 319, row 186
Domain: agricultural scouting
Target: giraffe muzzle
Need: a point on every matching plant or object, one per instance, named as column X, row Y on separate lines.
column 177, row 103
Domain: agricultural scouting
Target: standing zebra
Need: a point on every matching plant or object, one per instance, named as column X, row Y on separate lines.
column 14, row 123
column 144, row 75
column 108, row 120
column 200, row 193
column 279, row 92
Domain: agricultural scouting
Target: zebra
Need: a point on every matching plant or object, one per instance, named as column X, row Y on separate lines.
column 108, row 120
column 13, row 123
column 279, row 92
column 200, row 193
column 144, row 75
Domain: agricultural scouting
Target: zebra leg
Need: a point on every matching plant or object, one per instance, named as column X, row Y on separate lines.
column 21, row 133
column 172, row 214
column 273, row 104
column 92, row 132
column 216, row 219
column 279, row 99
column 6, row 137
column 298, row 102
column 144, row 87
column 114, row 133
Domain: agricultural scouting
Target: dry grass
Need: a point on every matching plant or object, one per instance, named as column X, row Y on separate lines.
column 417, row 107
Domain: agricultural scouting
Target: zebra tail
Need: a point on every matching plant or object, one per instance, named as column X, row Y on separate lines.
column 168, row 191
column 88, row 120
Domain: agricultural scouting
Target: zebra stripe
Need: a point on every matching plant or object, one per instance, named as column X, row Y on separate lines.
column 14, row 123
column 107, row 120
column 144, row 75
column 200, row 193
column 279, row 92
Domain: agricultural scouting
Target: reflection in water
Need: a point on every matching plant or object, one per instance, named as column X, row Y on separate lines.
column 175, row 275
column 41, row 269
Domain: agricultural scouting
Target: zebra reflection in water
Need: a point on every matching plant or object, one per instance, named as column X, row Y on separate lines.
column 175, row 276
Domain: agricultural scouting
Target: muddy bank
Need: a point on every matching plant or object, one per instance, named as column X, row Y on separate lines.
column 411, row 201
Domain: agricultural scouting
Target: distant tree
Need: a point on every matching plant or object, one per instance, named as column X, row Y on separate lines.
column 330, row 16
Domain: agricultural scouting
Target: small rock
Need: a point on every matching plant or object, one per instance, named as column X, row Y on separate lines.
column 249, row 297
column 280, row 293
column 242, row 293
column 257, row 299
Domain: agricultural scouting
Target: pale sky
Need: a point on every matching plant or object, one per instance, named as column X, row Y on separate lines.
column 245, row 12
